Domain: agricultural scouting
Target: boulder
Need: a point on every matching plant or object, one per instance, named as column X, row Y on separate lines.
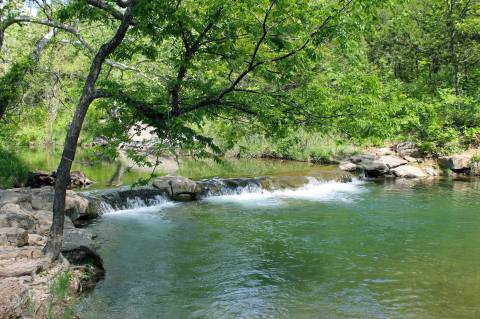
column 15, row 197
column 12, row 215
column 408, row 149
column 22, row 267
column 79, row 180
column 76, row 206
column 408, row 171
column 348, row 166
column 392, row 161
column 44, row 222
column 459, row 163
column 178, row 187
column 13, row 236
column 373, row 168
column 36, row 240
column 79, row 249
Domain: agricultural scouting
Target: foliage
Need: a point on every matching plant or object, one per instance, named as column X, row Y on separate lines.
column 61, row 297
column 12, row 169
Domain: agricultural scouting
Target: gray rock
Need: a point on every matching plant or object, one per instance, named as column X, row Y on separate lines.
column 392, row 161
column 373, row 168
column 22, row 267
column 408, row 149
column 430, row 171
column 408, row 171
column 13, row 236
column 348, row 166
column 459, row 163
column 178, row 187
column 12, row 215
column 44, row 222
column 15, row 197
column 79, row 249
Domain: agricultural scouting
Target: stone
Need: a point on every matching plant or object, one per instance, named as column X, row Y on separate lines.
column 392, row 161
column 408, row 149
column 459, row 163
column 13, row 236
column 79, row 180
column 40, row 179
column 373, row 168
column 79, row 249
column 408, row 171
column 22, row 267
column 17, row 198
column 44, row 222
column 12, row 215
column 430, row 171
column 348, row 166
column 178, row 186
column 36, row 240
column 410, row 159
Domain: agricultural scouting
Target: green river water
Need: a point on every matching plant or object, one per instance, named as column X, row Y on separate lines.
column 330, row 250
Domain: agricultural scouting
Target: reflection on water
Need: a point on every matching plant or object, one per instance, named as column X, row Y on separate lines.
column 393, row 250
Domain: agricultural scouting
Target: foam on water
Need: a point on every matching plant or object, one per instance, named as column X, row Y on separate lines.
column 138, row 205
column 315, row 190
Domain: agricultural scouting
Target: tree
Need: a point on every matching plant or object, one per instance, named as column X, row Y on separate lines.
column 217, row 60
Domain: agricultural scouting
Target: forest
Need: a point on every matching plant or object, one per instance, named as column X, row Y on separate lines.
column 301, row 81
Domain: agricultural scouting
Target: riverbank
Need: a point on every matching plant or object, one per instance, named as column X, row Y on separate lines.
column 31, row 285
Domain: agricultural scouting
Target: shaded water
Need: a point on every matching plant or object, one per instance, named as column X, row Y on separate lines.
column 395, row 250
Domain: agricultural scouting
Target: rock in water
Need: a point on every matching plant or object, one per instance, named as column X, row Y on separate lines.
column 178, row 187
column 348, row 166
column 373, row 168
column 408, row 171
column 459, row 163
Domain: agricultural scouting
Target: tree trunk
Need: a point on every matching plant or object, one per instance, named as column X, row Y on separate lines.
column 55, row 240
column 455, row 68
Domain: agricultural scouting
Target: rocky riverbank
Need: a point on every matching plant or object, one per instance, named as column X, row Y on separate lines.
column 405, row 160
column 26, row 274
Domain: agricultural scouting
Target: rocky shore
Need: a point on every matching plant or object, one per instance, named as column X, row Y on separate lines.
column 405, row 160
column 25, row 273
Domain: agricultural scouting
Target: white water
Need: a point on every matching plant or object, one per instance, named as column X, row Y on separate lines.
column 136, row 204
column 315, row 190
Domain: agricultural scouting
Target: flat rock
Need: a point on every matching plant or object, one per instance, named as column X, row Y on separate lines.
column 177, row 186
column 408, row 171
column 22, row 267
column 13, row 215
column 348, row 166
column 392, row 161
column 13, row 236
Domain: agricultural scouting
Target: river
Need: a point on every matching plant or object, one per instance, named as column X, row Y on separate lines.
column 405, row 249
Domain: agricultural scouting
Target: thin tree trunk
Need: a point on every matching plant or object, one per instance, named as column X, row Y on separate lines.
column 455, row 68
column 55, row 240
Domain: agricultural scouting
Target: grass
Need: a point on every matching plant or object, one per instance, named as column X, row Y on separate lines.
column 299, row 146
column 62, row 298
column 12, row 169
